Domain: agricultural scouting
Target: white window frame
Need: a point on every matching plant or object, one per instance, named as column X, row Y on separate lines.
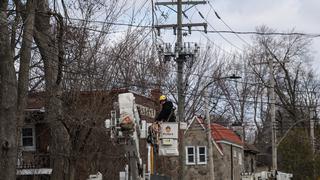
column 33, row 147
column 205, row 155
column 187, row 155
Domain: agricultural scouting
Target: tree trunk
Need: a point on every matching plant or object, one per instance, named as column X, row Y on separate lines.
column 50, row 46
column 25, row 57
column 72, row 170
column 8, row 101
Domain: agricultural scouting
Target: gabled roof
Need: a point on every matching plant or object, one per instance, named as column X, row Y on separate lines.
column 195, row 119
column 221, row 133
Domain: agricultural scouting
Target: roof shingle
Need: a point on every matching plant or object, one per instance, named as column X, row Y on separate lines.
column 221, row 133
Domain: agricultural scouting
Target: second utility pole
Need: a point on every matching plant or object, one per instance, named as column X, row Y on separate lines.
column 209, row 137
column 273, row 117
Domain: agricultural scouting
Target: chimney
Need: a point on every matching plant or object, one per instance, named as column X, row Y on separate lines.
column 155, row 94
column 238, row 129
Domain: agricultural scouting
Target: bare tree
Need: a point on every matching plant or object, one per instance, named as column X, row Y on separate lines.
column 50, row 44
column 293, row 84
column 8, row 99
column 27, row 13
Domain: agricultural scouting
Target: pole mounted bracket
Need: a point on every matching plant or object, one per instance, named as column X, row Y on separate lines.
column 188, row 27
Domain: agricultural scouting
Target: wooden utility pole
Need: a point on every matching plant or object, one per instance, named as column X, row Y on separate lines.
column 180, row 62
column 180, row 55
column 312, row 121
column 273, row 117
column 312, row 137
column 209, row 136
column 272, row 111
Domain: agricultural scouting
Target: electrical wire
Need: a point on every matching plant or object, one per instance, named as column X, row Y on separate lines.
column 308, row 35
column 224, row 38
column 67, row 42
column 208, row 39
column 193, row 74
column 217, row 97
column 219, row 17
column 103, row 53
column 94, row 30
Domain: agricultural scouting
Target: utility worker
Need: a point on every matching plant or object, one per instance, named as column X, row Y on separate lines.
column 167, row 110
column 166, row 115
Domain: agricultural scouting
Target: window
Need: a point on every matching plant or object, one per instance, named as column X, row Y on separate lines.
column 202, row 155
column 28, row 138
column 196, row 155
column 190, row 155
column 240, row 158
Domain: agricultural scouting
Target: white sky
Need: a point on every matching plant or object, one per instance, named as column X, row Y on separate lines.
column 246, row 15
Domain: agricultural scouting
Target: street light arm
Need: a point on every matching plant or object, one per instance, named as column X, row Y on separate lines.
column 287, row 132
column 233, row 76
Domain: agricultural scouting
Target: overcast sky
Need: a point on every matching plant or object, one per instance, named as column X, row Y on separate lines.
column 246, row 15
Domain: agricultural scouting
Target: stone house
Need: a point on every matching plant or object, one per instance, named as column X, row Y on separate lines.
column 227, row 152
column 87, row 112
column 250, row 158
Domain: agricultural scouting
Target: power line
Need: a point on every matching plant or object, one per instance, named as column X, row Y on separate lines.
column 172, row 71
column 131, row 84
column 215, row 44
column 309, row 35
column 97, row 30
column 204, row 33
column 67, row 42
column 219, row 17
column 146, row 64
column 218, row 32
column 113, row 23
column 103, row 53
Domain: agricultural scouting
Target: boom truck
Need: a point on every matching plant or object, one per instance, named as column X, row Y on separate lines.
column 129, row 129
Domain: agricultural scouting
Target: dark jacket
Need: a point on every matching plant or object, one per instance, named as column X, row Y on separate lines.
column 167, row 112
